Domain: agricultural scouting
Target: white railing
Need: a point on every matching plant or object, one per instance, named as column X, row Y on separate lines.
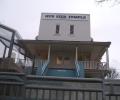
column 94, row 65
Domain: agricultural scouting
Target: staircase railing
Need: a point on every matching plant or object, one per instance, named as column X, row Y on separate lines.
column 42, row 67
column 79, row 69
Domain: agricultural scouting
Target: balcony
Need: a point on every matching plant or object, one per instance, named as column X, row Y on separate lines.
column 94, row 65
column 91, row 68
column 94, row 69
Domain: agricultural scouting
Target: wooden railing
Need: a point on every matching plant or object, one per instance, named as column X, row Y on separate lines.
column 94, row 65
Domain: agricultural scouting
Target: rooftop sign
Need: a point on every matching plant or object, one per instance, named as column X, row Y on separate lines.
column 64, row 16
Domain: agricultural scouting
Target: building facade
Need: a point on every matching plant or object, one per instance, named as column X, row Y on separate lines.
column 63, row 63
column 64, row 47
column 64, row 27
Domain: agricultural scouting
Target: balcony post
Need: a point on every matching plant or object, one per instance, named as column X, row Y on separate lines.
column 49, row 49
column 76, row 53
column 107, row 57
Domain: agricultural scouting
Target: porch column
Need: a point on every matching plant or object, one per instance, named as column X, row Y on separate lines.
column 76, row 53
column 49, row 52
column 107, row 57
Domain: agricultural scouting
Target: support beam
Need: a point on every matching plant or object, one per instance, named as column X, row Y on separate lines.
column 4, row 52
column 11, row 45
column 76, row 53
column 33, row 64
column 18, row 56
column 25, row 56
column 49, row 49
column 25, row 60
column 107, row 57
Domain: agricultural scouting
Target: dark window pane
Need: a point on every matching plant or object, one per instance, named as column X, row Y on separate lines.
column 71, row 29
column 57, row 29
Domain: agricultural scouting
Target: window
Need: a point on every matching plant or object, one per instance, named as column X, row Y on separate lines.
column 57, row 29
column 71, row 29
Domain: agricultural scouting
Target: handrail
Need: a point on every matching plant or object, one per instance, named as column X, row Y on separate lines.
column 77, row 68
column 44, row 67
column 80, row 69
column 41, row 68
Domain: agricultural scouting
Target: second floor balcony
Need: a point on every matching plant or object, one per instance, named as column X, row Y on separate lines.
column 91, row 68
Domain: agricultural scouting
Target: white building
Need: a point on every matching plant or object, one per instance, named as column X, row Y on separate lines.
column 64, row 48
column 65, row 44
column 65, row 27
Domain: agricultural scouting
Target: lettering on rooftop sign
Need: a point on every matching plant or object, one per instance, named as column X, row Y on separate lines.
column 65, row 16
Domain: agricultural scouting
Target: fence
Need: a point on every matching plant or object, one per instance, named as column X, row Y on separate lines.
column 11, row 86
column 31, row 87
column 46, row 93
column 112, row 88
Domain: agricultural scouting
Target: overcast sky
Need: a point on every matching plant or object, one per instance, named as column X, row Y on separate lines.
column 24, row 16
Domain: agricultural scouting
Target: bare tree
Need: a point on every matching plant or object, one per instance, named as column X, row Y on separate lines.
column 100, row 1
column 112, row 74
column 113, row 1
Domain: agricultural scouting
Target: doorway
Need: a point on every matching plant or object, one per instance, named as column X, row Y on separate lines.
column 63, row 61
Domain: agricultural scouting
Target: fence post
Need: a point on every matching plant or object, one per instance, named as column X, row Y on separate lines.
column 103, row 90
